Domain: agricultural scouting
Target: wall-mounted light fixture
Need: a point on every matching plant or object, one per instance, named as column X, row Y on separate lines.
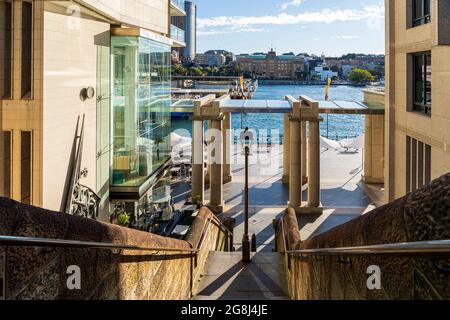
column 87, row 93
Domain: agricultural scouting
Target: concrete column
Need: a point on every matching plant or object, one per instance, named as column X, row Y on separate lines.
column 303, row 154
column 226, row 140
column 208, row 139
column 295, row 165
column 286, row 149
column 198, row 171
column 314, row 165
column 374, row 149
column 216, row 173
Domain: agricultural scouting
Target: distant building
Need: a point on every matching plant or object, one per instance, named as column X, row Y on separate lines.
column 214, row 58
column 324, row 73
column 190, row 26
column 272, row 66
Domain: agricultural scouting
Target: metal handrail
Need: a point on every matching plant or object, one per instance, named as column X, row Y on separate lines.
column 60, row 243
column 422, row 248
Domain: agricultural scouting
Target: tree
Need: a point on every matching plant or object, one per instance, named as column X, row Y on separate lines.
column 360, row 76
column 196, row 71
column 179, row 70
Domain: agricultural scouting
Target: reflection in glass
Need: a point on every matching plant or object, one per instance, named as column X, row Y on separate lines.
column 141, row 109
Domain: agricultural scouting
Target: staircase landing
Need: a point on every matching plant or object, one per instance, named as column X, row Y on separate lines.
column 225, row 277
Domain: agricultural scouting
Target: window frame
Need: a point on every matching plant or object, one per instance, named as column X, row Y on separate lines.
column 421, row 107
column 425, row 18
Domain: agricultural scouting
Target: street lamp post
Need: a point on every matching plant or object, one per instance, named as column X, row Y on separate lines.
column 246, row 239
column 246, row 141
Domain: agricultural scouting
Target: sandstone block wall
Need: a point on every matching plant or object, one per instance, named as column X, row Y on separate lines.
column 420, row 216
column 41, row 273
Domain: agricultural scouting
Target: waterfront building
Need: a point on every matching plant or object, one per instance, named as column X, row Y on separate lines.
column 417, row 95
column 214, row 58
column 323, row 73
column 184, row 30
column 272, row 66
column 85, row 102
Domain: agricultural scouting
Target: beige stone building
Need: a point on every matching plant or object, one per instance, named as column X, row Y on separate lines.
column 272, row 66
column 417, row 93
column 66, row 74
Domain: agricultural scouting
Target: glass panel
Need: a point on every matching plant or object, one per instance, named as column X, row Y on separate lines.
column 418, row 10
column 428, row 83
column 5, row 164
column 5, row 48
column 141, row 109
column 25, row 168
column 27, row 22
column 103, row 116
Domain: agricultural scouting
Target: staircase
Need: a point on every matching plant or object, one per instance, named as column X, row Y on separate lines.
column 225, row 277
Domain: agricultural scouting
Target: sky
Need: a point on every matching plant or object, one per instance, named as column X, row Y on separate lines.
column 332, row 27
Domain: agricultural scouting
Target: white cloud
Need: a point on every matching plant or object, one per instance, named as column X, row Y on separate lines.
column 368, row 13
column 294, row 3
column 213, row 32
column 346, row 37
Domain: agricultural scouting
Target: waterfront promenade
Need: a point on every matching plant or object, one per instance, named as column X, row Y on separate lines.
column 343, row 195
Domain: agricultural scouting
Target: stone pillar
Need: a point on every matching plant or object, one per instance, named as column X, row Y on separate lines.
column 216, row 173
column 303, row 154
column 295, row 166
column 286, row 149
column 198, row 169
column 314, row 165
column 374, row 149
column 226, row 141
column 208, row 139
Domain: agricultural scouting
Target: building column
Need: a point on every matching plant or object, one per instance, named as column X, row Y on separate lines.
column 198, row 167
column 226, row 141
column 216, row 162
column 286, row 149
column 295, row 165
column 208, row 150
column 303, row 154
column 374, row 149
column 314, row 165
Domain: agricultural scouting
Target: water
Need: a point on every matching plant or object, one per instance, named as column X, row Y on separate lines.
column 339, row 126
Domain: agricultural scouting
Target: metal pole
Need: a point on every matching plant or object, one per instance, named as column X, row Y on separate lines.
column 246, row 238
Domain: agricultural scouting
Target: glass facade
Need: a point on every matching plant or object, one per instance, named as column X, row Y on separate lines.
column 140, row 109
column 422, row 83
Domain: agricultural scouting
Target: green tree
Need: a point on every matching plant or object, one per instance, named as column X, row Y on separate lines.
column 179, row 70
column 196, row 71
column 360, row 76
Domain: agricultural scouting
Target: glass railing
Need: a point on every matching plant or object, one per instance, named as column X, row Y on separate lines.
column 177, row 34
column 178, row 3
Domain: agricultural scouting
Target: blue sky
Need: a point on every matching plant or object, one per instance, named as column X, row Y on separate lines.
column 333, row 27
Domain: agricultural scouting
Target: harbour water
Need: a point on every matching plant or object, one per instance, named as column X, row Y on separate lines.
column 335, row 126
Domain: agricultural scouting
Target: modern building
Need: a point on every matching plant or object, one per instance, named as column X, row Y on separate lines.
column 417, row 94
column 190, row 27
column 323, row 73
column 85, row 103
column 272, row 66
column 214, row 58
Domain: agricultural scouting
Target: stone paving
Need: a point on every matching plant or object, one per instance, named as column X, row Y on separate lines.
column 343, row 195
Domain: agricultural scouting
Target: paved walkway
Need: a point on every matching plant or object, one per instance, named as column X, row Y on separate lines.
column 343, row 195
column 225, row 277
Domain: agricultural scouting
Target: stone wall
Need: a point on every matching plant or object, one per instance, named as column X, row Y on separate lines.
column 41, row 273
column 420, row 216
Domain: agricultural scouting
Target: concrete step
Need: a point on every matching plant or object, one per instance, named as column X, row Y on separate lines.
column 225, row 277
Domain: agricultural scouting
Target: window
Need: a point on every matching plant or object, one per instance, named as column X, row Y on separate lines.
column 418, row 164
column 422, row 83
column 25, row 167
column 421, row 12
column 5, row 49
column 27, row 22
column 5, row 164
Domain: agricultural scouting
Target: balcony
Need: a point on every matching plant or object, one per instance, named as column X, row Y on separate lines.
column 177, row 8
column 178, row 37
